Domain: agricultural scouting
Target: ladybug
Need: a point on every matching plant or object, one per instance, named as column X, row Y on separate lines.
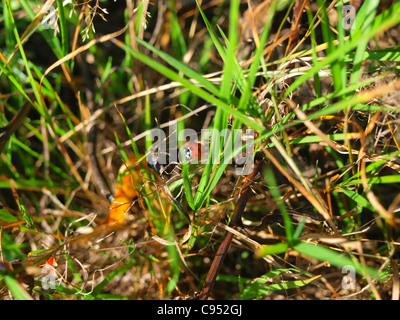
column 50, row 263
column 191, row 151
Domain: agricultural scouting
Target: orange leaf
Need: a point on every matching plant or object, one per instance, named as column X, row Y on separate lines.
column 119, row 207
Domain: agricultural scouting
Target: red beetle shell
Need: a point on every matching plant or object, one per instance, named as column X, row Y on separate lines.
column 192, row 151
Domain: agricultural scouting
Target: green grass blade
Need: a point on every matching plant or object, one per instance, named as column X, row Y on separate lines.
column 48, row 34
column 226, row 84
column 63, row 27
column 260, row 286
column 289, row 230
column 333, row 257
column 18, row 292
column 269, row 249
column 337, row 65
column 190, row 73
column 194, row 88
column 177, row 38
column 359, row 199
column 384, row 21
column 365, row 17
column 187, row 185
column 252, row 106
column 317, row 85
column 247, row 90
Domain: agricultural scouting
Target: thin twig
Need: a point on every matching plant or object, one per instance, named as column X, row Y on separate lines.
column 226, row 242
